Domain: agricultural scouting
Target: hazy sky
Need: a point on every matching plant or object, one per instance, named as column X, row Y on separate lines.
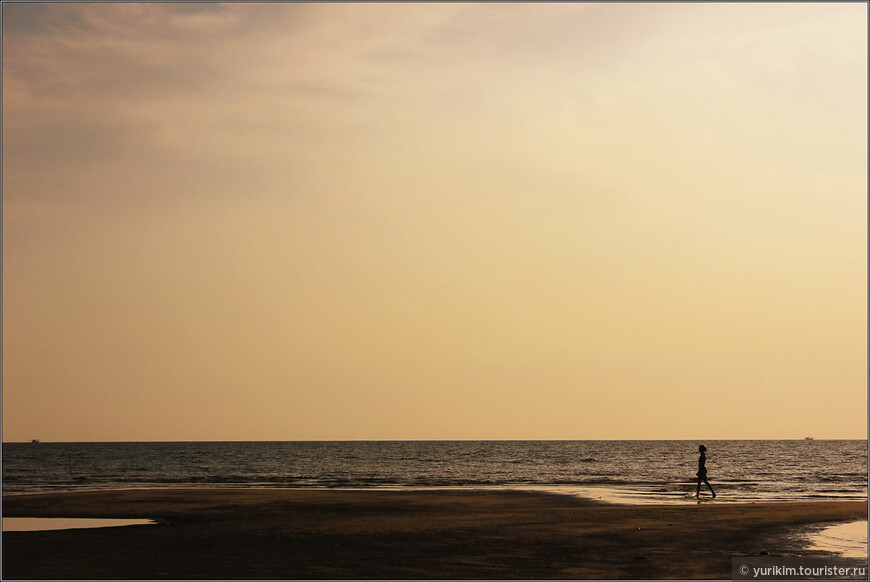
column 434, row 221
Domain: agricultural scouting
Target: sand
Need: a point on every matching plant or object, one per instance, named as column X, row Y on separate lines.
column 293, row 534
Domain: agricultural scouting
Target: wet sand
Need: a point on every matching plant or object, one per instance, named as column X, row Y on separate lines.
column 304, row 534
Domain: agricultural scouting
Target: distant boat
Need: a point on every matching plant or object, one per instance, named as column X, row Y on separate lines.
column 34, row 441
column 808, row 438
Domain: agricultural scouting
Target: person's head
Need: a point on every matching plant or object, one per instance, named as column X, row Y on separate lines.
column 702, row 449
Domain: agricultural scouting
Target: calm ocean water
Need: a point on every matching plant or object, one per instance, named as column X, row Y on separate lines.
column 632, row 471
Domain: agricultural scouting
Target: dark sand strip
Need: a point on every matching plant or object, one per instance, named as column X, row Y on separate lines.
column 299, row 534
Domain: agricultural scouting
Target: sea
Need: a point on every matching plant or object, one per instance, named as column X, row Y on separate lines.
column 637, row 472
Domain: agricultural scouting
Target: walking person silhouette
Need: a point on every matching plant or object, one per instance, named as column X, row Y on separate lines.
column 702, row 471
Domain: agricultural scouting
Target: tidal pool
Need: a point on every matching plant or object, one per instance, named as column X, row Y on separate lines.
column 53, row 523
column 848, row 540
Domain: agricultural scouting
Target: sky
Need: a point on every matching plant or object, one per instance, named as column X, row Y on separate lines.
column 434, row 221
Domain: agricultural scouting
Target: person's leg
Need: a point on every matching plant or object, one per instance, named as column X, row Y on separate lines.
column 698, row 490
column 708, row 485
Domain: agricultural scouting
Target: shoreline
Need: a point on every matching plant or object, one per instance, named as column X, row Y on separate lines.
column 605, row 493
column 242, row 533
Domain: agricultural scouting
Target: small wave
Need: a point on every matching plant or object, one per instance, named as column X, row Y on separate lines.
column 838, row 491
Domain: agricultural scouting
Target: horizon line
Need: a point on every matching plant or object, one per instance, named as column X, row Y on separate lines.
column 39, row 441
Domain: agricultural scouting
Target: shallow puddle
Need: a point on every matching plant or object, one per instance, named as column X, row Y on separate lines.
column 848, row 540
column 52, row 523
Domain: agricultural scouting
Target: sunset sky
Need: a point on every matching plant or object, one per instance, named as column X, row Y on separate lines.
column 434, row 221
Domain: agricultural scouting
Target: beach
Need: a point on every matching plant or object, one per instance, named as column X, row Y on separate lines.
column 391, row 534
